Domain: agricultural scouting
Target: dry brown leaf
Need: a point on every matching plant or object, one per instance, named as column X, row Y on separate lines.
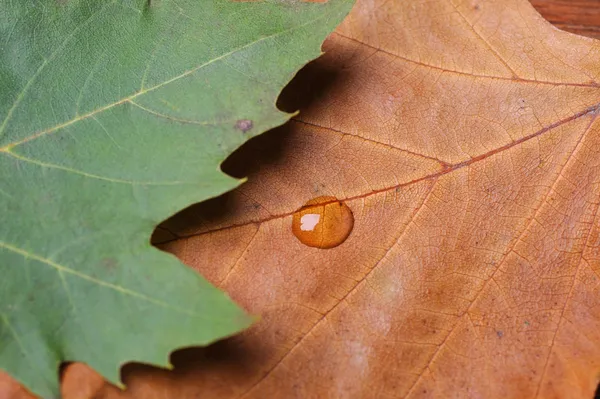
column 463, row 136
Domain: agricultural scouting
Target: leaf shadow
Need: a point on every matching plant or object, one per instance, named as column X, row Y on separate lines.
column 190, row 365
column 302, row 93
column 237, row 357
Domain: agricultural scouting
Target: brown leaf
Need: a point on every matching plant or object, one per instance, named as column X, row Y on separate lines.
column 463, row 136
column 9, row 389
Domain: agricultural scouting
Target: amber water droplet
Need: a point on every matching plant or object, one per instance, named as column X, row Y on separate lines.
column 323, row 222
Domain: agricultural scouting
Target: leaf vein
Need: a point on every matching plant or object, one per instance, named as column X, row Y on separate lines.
column 83, row 276
column 90, row 175
column 450, row 169
column 12, row 331
column 484, row 41
column 140, row 93
column 510, row 250
column 350, row 291
column 44, row 64
column 468, row 74
column 172, row 118
column 571, row 290
column 391, row 146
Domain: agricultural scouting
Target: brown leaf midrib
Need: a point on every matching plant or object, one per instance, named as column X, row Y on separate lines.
column 446, row 170
column 594, row 110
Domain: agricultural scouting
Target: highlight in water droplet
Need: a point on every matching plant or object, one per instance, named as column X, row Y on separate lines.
column 309, row 221
column 323, row 222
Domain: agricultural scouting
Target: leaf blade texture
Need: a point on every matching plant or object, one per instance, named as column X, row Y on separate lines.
column 115, row 115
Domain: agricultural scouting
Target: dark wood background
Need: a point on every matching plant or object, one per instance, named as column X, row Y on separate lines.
column 577, row 16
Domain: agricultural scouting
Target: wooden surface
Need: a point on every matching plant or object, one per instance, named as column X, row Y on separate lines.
column 577, row 16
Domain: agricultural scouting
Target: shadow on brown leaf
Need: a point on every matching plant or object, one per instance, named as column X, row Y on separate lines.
column 264, row 151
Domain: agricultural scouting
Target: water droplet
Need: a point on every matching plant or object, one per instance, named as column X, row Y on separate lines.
column 323, row 222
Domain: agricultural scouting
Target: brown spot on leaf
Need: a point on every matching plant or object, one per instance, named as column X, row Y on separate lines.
column 244, row 125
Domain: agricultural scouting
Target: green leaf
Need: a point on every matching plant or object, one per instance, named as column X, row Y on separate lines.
column 113, row 116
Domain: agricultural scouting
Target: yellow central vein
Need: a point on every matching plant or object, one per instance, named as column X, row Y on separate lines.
column 34, row 136
column 60, row 268
column 91, row 175
column 45, row 64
